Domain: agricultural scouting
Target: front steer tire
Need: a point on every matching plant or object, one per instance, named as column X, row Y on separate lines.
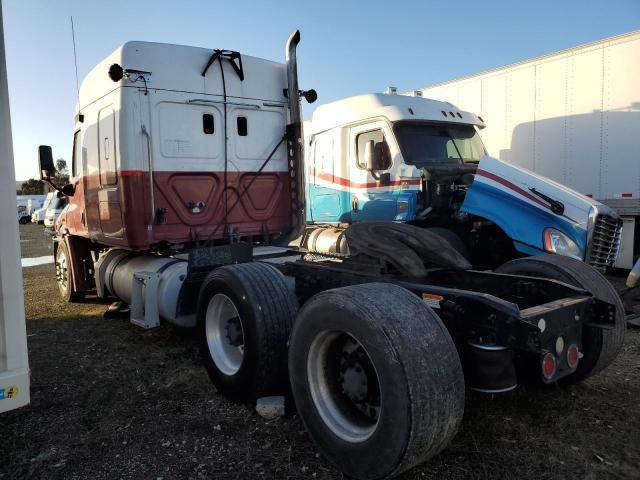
column 64, row 274
column 265, row 308
column 415, row 395
column 599, row 347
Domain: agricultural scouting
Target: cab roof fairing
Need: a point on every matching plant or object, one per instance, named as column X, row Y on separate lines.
column 179, row 68
column 392, row 107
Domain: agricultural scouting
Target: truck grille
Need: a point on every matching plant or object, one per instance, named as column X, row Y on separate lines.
column 605, row 242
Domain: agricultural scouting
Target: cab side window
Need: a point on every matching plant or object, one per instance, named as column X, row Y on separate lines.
column 76, row 155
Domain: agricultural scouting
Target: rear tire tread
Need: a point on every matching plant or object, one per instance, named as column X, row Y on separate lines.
column 431, row 368
column 274, row 307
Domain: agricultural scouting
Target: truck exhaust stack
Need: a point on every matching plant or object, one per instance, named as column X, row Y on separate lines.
column 295, row 135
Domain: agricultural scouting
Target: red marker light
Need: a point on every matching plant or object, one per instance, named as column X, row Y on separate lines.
column 548, row 366
column 573, row 355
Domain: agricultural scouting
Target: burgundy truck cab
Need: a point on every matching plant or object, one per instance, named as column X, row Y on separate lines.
column 166, row 153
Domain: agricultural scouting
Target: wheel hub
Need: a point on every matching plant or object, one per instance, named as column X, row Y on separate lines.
column 344, row 386
column 61, row 269
column 225, row 336
column 352, row 377
column 234, row 332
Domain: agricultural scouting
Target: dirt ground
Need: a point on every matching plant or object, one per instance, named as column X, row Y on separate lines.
column 110, row 400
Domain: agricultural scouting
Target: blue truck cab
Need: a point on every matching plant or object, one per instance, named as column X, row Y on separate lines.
column 415, row 160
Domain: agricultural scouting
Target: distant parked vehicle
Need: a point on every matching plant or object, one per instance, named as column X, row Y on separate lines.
column 53, row 212
column 23, row 214
column 38, row 215
column 27, row 204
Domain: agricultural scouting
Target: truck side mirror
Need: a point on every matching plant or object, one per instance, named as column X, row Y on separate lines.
column 377, row 156
column 381, row 156
column 369, row 148
column 45, row 159
column 68, row 190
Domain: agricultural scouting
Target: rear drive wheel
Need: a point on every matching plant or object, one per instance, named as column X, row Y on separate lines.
column 376, row 379
column 64, row 275
column 244, row 317
column 599, row 347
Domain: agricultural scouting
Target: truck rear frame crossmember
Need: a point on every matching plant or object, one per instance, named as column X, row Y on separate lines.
column 495, row 312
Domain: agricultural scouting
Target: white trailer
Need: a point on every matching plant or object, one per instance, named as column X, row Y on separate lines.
column 572, row 116
column 14, row 367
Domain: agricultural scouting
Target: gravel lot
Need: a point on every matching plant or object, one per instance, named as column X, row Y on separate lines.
column 110, row 400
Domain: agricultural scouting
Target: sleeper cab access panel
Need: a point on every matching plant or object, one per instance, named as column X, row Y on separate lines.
column 154, row 164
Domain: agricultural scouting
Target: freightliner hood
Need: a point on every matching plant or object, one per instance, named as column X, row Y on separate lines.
column 502, row 193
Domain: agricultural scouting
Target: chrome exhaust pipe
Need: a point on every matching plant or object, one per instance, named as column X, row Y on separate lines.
column 292, row 78
column 295, row 139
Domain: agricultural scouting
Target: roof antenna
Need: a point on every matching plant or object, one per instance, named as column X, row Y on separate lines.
column 75, row 61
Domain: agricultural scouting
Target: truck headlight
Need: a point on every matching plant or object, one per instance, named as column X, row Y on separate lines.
column 557, row 242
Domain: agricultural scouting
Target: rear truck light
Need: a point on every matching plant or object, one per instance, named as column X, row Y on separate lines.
column 548, row 366
column 573, row 356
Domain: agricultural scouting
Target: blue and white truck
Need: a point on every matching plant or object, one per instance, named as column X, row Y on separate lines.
column 410, row 159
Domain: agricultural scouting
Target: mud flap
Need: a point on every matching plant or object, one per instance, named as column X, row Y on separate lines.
column 202, row 261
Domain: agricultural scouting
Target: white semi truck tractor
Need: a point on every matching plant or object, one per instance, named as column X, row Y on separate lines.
column 14, row 364
column 187, row 191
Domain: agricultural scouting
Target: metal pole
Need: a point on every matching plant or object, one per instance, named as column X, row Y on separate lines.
column 14, row 364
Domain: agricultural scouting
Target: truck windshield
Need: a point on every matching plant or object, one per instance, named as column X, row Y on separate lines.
column 429, row 144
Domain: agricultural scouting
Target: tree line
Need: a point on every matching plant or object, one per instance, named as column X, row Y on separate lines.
column 34, row 186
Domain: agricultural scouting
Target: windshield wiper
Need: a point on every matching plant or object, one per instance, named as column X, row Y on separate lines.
column 556, row 206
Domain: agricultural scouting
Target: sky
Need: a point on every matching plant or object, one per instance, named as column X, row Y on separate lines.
column 347, row 47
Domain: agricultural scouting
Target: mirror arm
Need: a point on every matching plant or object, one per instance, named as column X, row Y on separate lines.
column 58, row 189
column 374, row 174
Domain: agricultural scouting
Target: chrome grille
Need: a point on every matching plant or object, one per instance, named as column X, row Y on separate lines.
column 605, row 241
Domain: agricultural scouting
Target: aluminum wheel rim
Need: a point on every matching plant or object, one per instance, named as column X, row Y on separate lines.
column 339, row 412
column 62, row 271
column 225, row 335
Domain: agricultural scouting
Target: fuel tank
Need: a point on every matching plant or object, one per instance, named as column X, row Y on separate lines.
column 119, row 272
